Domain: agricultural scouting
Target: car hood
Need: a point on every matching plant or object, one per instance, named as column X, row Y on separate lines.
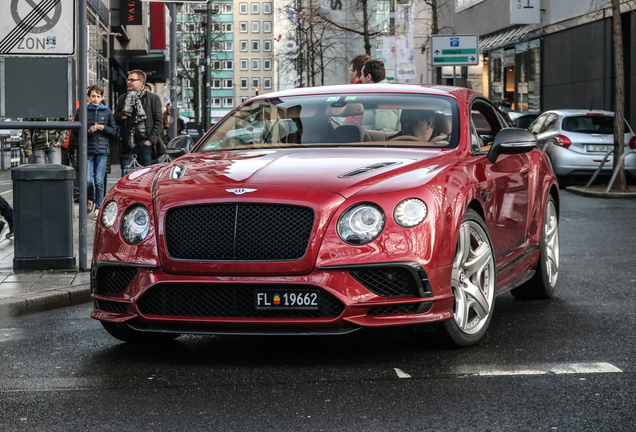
column 338, row 170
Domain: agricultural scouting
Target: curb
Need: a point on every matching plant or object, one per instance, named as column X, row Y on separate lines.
column 44, row 301
column 599, row 192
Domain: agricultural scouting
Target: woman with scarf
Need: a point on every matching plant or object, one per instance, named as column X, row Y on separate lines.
column 139, row 117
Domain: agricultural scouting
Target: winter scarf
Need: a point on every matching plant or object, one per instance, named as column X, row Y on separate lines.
column 133, row 103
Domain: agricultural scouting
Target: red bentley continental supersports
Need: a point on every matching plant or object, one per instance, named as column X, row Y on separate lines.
column 328, row 210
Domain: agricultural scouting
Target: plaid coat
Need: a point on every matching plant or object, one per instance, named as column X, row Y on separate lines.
column 38, row 139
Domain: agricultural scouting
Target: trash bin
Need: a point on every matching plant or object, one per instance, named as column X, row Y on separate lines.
column 43, row 217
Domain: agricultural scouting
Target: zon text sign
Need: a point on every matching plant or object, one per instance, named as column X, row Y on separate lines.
column 454, row 50
column 37, row 27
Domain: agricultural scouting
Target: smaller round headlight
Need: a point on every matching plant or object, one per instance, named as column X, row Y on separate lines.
column 410, row 212
column 109, row 214
column 361, row 224
column 135, row 224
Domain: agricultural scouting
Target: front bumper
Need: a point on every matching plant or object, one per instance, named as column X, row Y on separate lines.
column 352, row 297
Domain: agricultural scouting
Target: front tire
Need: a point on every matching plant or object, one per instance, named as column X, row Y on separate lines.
column 473, row 282
column 543, row 284
column 127, row 334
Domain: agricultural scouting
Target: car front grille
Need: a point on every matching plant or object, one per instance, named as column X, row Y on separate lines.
column 113, row 279
column 109, row 306
column 227, row 301
column 238, row 232
column 387, row 281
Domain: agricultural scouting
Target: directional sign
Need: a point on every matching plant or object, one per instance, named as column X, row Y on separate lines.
column 454, row 50
column 37, row 27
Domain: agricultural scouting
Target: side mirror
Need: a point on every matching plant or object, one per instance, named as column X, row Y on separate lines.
column 511, row 141
column 179, row 146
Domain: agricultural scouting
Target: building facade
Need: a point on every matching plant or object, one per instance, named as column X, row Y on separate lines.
column 564, row 60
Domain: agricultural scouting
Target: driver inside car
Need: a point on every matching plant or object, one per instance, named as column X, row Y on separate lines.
column 420, row 124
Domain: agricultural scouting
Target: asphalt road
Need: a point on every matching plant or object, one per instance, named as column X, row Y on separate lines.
column 566, row 364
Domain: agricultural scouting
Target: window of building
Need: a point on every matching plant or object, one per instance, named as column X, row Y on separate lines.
column 243, row 26
column 216, row 83
column 244, row 83
column 228, row 65
column 255, row 82
column 244, row 64
column 267, row 83
column 243, row 45
column 255, row 26
column 255, row 7
column 256, row 64
column 190, row 27
column 215, row 27
column 216, row 46
column 267, row 45
column 244, row 99
column 215, row 9
column 256, row 45
column 267, row 64
column 228, row 102
column 267, row 26
column 187, row 83
column 216, row 102
column 267, row 8
column 228, row 83
column 215, row 64
column 243, row 8
column 227, row 27
column 226, row 8
column 228, row 46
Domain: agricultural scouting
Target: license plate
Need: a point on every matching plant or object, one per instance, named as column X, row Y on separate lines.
column 599, row 148
column 287, row 299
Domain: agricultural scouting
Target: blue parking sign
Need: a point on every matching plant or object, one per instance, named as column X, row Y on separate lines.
column 454, row 42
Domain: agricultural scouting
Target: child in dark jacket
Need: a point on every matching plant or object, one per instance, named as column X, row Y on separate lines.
column 101, row 127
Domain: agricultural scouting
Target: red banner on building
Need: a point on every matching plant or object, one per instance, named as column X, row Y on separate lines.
column 157, row 26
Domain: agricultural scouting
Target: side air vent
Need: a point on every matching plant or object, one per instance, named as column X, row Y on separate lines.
column 367, row 169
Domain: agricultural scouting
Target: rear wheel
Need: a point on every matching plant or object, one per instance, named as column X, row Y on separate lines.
column 127, row 334
column 473, row 283
column 543, row 283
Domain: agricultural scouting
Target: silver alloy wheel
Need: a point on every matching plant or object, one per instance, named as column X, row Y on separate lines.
column 551, row 235
column 473, row 278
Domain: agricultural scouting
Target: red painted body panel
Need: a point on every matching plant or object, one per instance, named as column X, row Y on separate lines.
column 447, row 180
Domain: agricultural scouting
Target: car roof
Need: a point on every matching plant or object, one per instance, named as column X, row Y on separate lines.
column 455, row 92
column 579, row 112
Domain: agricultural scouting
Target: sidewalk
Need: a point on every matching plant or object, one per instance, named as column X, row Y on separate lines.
column 35, row 291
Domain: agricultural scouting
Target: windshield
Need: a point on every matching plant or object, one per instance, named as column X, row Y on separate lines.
column 591, row 124
column 328, row 120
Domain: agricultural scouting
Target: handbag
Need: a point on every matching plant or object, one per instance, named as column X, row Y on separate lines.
column 132, row 166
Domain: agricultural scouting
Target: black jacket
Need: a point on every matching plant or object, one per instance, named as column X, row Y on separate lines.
column 154, row 124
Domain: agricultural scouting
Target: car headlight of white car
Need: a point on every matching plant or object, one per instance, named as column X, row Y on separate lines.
column 135, row 224
column 361, row 223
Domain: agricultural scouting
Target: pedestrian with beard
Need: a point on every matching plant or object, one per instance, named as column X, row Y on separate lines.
column 139, row 117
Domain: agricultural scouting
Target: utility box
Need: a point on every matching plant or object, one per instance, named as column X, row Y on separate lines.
column 43, row 217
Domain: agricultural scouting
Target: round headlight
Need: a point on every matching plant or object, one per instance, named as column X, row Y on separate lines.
column 109, row 214
column 410, row 212
column 135, row 224
column 361, row 224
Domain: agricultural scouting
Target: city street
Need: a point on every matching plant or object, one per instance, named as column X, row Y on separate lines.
column 560, row 365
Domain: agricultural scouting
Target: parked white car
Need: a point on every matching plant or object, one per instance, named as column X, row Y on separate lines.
column 576, row 141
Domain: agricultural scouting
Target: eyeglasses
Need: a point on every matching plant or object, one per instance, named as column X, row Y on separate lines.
column 133, row 79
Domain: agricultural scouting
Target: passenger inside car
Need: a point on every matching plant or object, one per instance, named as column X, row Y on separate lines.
column 422, row 125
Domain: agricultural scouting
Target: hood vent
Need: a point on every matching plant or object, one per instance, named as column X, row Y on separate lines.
column 367, row 169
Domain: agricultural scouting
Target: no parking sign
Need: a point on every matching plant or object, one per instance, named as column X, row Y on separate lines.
column 37, row 27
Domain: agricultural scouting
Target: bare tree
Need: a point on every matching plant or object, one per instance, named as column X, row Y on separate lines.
column 620, row 183
column 312, row 51
column 361, row 25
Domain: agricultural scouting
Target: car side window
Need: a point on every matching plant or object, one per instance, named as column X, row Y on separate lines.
column 486, row 123
column 550, row 123
column 535, row 127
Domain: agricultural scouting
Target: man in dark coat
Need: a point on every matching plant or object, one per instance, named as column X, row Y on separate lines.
column 139, row 117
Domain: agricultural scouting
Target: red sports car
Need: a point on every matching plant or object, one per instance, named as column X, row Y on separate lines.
column 347, row 207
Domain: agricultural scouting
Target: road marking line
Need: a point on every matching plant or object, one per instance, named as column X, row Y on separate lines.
column 556, row 369
column 401, row 374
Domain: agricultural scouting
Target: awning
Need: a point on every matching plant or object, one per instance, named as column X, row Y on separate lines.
column 506, row 37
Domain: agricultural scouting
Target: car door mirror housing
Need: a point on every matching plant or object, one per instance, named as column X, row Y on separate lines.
column 179, row 146
column 511, row 141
